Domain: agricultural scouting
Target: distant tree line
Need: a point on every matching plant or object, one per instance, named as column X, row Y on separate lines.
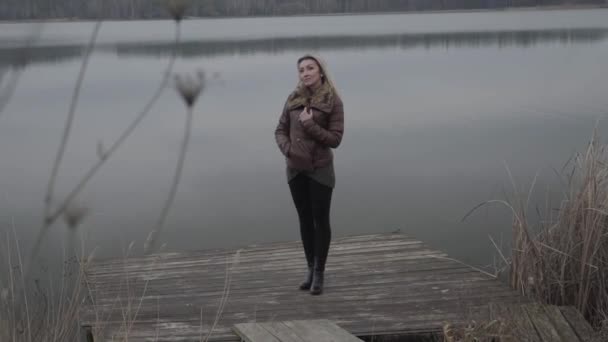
column 148, row 9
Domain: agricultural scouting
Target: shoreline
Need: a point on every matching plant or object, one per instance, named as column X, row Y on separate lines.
column 481, row 10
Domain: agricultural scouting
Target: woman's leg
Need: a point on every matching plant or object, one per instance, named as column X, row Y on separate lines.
column 320, row 196
column 300, row 192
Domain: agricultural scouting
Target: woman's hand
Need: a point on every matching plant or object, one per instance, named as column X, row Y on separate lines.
column 305, row 115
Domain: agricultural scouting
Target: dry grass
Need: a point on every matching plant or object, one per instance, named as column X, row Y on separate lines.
column 130, row 300
column 30, row 311
column 602, row 334
column 53, row 314
column 491, row 331
column 564, row 259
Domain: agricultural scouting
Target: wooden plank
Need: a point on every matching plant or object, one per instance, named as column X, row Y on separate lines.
column 281, row 331
column 391, row 312
column 252, row 332
column 296, row 262
column 370, row 267
column 308, row 311
column 401, row 260
column 334, row 293
column 517, row 320
column 312, row 332
column 335, row 330
column 363, row 318
column 346, row 242
column 579, row 325
column 564, row 330
column 427, row 269
column 343, row 296
column 355, row 326
column 135, row 267
column 543, row 325
column 274, row 280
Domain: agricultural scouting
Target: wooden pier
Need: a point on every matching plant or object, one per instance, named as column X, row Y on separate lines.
column 387, row 284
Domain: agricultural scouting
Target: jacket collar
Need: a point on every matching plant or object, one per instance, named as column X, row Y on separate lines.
column 322, row 99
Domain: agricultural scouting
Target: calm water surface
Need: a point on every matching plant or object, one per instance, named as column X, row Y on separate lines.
column 436, row 106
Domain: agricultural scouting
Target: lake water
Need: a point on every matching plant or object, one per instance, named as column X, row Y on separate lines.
column 435, row 106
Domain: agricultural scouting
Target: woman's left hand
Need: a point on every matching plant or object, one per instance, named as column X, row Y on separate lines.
column 306, row 114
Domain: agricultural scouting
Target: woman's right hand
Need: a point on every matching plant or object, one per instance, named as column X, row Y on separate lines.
column 305, row 115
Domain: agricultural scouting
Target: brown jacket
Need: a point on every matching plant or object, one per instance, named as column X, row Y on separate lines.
column 306, row 145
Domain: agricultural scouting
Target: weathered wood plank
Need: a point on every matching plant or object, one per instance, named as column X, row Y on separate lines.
column 177, row 312
column 542, row 323
column 294, row 331
column 290, row 277
column 291, row 246
column 252, row 332
column 335, row 330
column 136, row 266
column 282, row 332
column 352, row 263
column 309, row 331
column 564, row 330
column 420, row 292
column 517, row 320
column 579, row 325
column 256, row 255
column 415, row 311
column 242, row 272
column 271, row 280
column 352, row 325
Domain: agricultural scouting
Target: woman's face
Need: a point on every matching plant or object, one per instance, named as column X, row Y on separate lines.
column 310, row 73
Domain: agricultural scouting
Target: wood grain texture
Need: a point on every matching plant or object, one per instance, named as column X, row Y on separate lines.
column 380, row 284
column 534, row 322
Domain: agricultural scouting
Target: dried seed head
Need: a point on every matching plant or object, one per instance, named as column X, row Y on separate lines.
column 74, row 214
column 190, row 86
column 177, row 8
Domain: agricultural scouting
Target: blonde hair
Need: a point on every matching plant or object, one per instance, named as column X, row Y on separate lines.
column 324, row 71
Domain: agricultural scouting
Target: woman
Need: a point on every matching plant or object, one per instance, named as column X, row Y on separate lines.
column 312, row 123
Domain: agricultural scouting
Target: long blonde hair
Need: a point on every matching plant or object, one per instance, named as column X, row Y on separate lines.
column 324, row 71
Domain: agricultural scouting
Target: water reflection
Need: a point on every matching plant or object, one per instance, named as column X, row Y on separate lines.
column 525, row 38
column 36, row 55
column 216, row 48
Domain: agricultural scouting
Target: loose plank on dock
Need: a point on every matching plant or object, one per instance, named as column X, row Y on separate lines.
column 294, row 331
column 385, row 284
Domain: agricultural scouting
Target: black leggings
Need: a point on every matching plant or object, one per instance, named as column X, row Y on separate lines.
column 313, row 201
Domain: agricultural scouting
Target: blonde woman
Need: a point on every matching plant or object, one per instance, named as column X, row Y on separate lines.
column 312, row 123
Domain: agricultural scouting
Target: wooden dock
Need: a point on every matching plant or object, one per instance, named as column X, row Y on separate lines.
column 385, row 284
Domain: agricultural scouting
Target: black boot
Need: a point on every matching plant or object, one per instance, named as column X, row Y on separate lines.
column 308, row 280
column 317, row 282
